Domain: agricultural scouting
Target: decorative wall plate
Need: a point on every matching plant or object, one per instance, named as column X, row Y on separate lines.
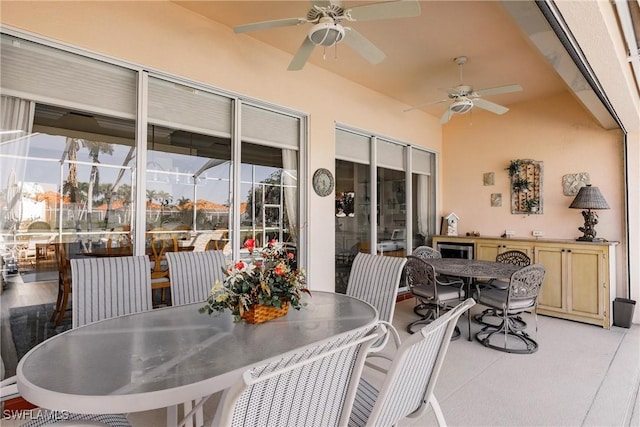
column 323, row 182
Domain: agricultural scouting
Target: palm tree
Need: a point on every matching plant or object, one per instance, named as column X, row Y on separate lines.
column 152, row 195
column 95, row 148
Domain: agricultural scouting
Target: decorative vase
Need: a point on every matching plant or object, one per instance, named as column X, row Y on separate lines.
column 259, row 313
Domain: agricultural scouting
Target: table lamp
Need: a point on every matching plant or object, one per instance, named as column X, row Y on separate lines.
column 588, row 198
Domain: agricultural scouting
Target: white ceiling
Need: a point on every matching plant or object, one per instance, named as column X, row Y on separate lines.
column 419, row 50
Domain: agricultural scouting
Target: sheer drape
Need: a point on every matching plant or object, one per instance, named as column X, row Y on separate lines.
column 16, row 123
column 290, row 182
column 422, row 207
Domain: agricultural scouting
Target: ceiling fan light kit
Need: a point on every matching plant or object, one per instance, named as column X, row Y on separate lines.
column 464, row 97
column 326, row 33
column 461, row 106
column 327, row 30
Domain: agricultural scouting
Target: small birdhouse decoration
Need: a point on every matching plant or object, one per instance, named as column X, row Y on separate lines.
column 451, row 222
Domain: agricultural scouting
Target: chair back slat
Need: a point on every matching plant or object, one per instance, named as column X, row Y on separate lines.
column 426, row 252
column 413, row 374
column 192, row 275
column 525, row 284
column 312, row 387
column 375, row 279
column 514, row 257
column 109, row 287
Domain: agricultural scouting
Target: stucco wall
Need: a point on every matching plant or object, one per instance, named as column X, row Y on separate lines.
column 166, row 37
column 556, row 131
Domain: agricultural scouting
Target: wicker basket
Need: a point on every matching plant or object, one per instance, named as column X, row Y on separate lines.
column 259, row 313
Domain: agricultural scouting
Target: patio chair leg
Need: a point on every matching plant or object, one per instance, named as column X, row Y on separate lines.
column 437, row 411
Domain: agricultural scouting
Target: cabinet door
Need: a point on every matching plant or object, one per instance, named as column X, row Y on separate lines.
column 586, row 282
column 552, row 294
column 488, row 250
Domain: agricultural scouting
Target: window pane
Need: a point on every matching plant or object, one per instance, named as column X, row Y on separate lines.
column 352, row 217
column 188, row 183
column 72, row 180
column 269, row 194
column 391, row 213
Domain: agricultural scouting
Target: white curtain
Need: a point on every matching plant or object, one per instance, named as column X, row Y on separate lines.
column 422, row 196
column 290, row 182
column 16, row 123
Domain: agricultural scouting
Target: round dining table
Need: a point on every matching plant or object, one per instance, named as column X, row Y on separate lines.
column 167, row 356
column 470, row 269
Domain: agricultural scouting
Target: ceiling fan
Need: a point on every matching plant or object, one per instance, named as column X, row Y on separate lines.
column 465, row 98
column 327, row 29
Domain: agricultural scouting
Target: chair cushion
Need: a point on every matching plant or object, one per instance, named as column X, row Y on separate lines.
column 444, row 292
column 497, row 298
column 499, row 284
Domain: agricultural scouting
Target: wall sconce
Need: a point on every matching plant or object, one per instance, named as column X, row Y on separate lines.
column 589, row 198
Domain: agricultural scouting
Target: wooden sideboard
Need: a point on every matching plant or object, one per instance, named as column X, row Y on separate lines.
column 580, row 281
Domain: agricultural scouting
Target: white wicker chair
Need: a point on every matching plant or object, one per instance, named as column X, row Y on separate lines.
column 375, row 279
column 408, row 386
column 122, row 285
column 312, row 387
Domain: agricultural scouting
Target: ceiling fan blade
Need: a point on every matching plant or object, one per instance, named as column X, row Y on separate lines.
column 388, row 10
column 268, row 24
column 446, row 116
column 363, row 46
column 302, row 55
column 417, row 107
column 450, row 90
column 490, row 106
column 498, row 90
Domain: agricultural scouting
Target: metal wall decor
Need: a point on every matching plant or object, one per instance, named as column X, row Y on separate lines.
column 573, row 182
column 526, row 186
column 323, row 182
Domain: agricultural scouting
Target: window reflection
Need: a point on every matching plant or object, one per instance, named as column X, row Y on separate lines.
column 268, row 194
column 188, row 183
column 70, row 180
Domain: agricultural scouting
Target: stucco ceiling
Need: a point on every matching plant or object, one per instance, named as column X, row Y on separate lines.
column 419, row 51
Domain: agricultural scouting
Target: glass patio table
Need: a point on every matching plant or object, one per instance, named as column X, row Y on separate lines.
column 167, row 356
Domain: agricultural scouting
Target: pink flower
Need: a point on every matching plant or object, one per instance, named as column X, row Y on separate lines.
column 290, row 255
column 239, row 265
column 272, row 242
column 278, row 270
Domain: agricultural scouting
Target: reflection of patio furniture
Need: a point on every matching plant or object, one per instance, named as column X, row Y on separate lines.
column 202, row 242
column 397, row 242
column 160, row 269
column 45, row 256
column 344, row 260
column 64, row 283
column 28, row 254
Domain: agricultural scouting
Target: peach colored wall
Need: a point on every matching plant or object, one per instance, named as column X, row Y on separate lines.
column 556, row 131
column 166, row 37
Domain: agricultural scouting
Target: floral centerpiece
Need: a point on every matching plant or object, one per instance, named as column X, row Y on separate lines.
column 261, row 288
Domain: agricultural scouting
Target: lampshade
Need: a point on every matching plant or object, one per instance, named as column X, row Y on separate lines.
column 589, row 198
